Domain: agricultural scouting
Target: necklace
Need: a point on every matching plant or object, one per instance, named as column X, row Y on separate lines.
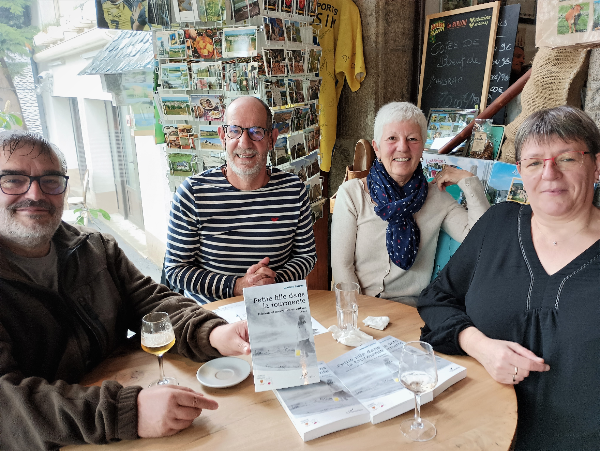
column 555, row 242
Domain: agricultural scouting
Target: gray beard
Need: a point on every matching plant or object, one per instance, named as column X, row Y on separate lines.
column 242, row 172
column 28, row 237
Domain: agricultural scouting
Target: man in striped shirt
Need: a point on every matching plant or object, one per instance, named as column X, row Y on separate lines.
column 242, row 224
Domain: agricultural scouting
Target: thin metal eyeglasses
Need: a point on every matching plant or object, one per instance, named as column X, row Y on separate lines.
column 254, row 133
column 15, row 184
column 566, row 161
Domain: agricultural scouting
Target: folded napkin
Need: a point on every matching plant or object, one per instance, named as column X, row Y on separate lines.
column 376, row 322
column 352, row 337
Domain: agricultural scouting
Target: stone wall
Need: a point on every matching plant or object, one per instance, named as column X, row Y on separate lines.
column 389, row 29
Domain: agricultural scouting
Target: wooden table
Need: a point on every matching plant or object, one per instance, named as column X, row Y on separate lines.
column 475, row 413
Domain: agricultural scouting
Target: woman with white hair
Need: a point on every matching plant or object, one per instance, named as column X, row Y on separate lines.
column 385, row 227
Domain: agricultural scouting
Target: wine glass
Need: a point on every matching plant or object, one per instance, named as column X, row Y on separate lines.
column 418, row 373
column 157, row 338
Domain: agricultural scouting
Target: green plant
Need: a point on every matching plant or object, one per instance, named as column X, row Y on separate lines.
column 7, row 120
column 85, row 213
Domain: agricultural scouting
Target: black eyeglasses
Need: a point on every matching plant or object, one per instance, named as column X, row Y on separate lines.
column 15, row 184
column 236, row 132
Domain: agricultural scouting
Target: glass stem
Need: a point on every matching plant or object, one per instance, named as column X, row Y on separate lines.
column 418, row 423
column 162, row 370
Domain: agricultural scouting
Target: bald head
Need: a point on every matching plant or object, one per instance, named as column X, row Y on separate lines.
column 256, row 107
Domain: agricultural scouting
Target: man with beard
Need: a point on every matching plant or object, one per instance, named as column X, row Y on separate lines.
column 243, row 224
column 68, row 295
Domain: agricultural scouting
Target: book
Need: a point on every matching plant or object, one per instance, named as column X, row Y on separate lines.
column 322, row 408
column 237, row 311
column 281, row 337
column 370, row 373
column 449, row 373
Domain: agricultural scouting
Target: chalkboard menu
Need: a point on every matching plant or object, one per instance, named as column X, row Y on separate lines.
column 506, row 35
column 457, row 58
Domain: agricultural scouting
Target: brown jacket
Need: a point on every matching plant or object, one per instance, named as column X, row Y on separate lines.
column 50, row 339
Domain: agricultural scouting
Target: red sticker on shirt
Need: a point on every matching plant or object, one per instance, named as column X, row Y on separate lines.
column 274, row 219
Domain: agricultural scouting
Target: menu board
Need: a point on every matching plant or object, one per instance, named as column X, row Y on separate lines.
column 506, row 35
column 457, row 58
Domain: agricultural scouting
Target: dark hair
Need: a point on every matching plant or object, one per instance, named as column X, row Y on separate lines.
column 12, row 140
column 563, row 122
column 269, row 125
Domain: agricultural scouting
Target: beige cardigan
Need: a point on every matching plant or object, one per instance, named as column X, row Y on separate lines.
column 358, row 251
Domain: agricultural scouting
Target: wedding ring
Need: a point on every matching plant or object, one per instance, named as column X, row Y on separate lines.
column 516, row 370
column 514, row 378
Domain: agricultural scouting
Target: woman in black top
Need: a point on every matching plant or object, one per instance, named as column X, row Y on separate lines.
column 522, row 293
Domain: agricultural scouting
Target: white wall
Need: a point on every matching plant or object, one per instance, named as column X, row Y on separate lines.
column 156, row 196
column 60, row 128
column 96, row 140
column 68, row 84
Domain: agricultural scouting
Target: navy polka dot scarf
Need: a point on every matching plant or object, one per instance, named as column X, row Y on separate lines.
column 397, row 204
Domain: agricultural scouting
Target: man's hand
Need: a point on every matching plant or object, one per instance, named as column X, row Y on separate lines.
column 231, row 339
column 506, row 361
column 259, row 274
column 166, row 410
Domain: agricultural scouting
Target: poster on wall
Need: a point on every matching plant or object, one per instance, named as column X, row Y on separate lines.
column 567, row 23
column 122, row 14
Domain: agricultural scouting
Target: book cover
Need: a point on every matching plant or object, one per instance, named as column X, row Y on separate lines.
column 370, row 372
column 281, row 336
column 322, row 408
column 449, row 373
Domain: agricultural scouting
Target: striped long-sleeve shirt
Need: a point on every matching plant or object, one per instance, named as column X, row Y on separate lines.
column 216, row 232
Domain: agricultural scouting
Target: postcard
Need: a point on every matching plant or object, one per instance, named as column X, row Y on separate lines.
column 240, row 10
column 206, row 76
column 175, row 106
column 201, row 43
column 215, row 10
column 280, row 154
column 296, row 146
column 162, row 42
column 296, row 61
column 158, row 13
column 505, row 184
column 300, row 7
column 270, row 5
column 295, row 90
column 282, row 119
column 285, row 6
column 239, row 42
column 185, row 10
column 275, row 61
column 201, row 10
column 253, row 8
column 274, row 29
column 314, row 61
column 292, row 31
column 174, row 76
column 207, row 107
column 178, row 51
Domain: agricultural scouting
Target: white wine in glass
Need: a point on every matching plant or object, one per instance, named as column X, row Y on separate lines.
column 157, row 338
column 418, row 373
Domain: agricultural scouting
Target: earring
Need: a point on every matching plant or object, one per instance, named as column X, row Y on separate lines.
column 379, row 160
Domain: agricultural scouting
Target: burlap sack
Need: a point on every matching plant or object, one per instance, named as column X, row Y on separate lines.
column 557, row 77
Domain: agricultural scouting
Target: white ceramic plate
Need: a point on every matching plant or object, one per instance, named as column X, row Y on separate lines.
column 223, row 372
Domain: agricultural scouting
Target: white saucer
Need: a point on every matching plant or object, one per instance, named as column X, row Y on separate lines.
column 223, row 372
